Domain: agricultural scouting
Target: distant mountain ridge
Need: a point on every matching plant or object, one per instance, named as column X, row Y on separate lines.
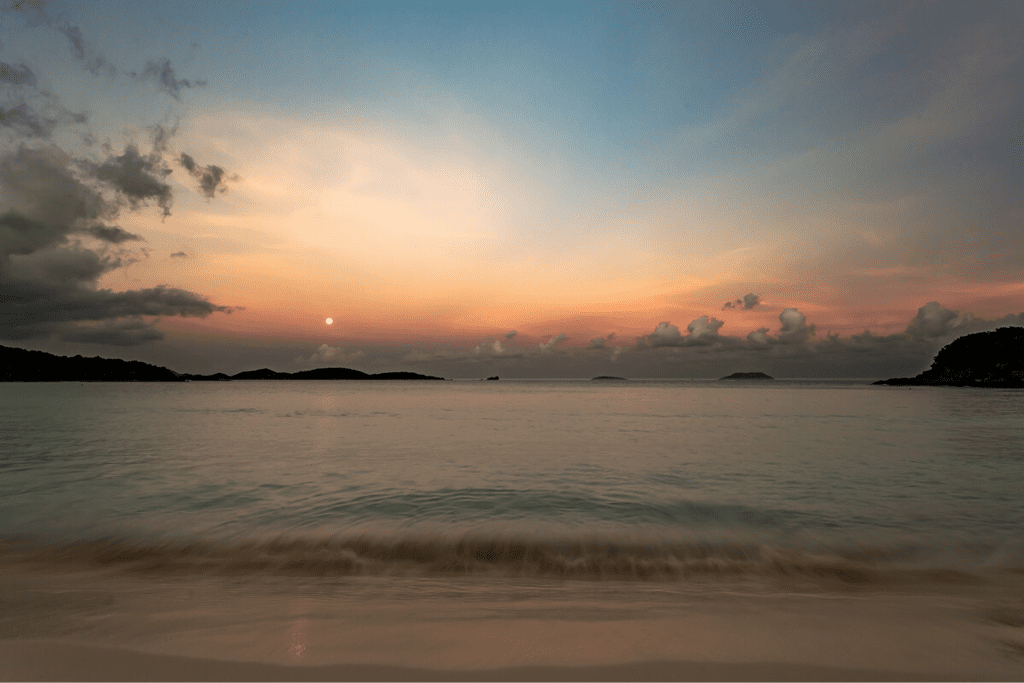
column 22, row 365
column 982, row 359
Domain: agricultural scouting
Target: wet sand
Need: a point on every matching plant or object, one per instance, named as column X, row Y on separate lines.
column 62, row 624
column 54, row 661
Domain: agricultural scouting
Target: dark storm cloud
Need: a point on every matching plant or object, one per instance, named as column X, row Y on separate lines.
column 212, row 179
column 748, row 302
column 48, row 277
column 43, row 198
column 55, row 292
column 25, row 109
column 137, row 177
column 19, row 75
column 112, row 234
column 127, row 332
column 29, row 121
column 162, row 73
column 57, row 237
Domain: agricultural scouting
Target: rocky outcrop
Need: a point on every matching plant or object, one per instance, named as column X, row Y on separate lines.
column 983, row 359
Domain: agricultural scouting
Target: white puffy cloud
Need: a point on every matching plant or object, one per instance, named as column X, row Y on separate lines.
column 759, row 337
column 552, row 343
column 492, row 347
column 702, row 331
column 790, row 350
column 795, row 329
column 665, row 334
column 495, row 347
column 933, row 321
column 333, row 354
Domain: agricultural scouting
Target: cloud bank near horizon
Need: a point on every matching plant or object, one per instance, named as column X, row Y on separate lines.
column 793, row 349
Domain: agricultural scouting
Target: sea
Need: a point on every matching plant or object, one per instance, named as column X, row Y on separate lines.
column 475, row 524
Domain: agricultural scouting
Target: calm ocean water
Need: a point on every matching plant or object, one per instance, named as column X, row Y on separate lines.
column 626, row 480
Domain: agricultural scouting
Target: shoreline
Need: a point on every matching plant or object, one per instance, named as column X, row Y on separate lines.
column 50, row 660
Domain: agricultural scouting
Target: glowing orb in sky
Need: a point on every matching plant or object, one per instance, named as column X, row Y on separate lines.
column 329, row 321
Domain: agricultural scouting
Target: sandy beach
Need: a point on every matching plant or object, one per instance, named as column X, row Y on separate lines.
column 112, row 625
column 55, row 661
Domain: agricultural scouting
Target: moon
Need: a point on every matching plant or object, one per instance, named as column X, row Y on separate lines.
column 329, row 321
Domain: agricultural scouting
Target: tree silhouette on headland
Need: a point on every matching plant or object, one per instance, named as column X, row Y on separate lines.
column 982, row 359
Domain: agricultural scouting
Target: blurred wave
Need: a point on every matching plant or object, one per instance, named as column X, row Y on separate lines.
column 470, row 555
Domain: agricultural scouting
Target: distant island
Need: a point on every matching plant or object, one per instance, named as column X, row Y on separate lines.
column 746, row 375
column 607, row 377
column 21, row 365
column 982, row 359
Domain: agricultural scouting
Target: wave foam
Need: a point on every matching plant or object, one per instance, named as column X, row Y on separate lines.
column 423, row 555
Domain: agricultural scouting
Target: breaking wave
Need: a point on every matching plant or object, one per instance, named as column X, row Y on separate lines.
column 481, row 556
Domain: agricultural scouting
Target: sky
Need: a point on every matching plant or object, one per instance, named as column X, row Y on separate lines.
column 563, row 190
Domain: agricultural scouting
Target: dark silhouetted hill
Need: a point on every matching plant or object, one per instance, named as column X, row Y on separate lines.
column 21, row 365
column 747, row 375
column 262, row 373
column 604, row 377
column 982, row 359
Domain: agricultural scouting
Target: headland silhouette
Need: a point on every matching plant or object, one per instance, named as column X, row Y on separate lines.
column 982, row 359
column 21, row 365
